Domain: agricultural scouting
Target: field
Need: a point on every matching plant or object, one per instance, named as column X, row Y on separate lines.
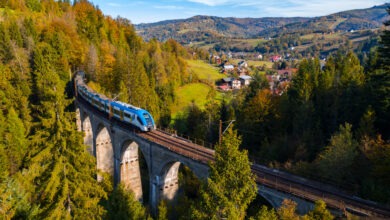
column 196, row 92
column 255, row 62
column 204, row 70
column 331, row 36
column 247, row 42
column 233, row 43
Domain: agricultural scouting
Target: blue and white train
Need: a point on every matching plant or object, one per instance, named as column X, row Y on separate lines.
column 127, row 113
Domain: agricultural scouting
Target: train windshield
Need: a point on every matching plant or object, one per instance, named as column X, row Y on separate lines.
column 148, row 119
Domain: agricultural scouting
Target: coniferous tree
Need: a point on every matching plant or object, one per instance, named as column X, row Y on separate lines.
column 5, row 44
column 231, row 185
column 335, row 162
column 60, row 169
column 123, row 205
column 162, row 211
column 379, row 84
column 15, row 141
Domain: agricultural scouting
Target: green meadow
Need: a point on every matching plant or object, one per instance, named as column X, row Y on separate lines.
column 204, row 70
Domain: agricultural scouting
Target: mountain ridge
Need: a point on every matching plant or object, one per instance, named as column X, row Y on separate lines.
column 203, row 28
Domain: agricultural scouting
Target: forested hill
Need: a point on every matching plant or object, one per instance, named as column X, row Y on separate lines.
column 358, row 19
column 45, row 170
column 201, row 28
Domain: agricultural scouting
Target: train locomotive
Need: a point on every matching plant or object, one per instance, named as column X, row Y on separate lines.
column 124, row 112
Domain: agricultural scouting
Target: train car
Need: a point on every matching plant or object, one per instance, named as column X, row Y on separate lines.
column 133, row 115
column 127, row 113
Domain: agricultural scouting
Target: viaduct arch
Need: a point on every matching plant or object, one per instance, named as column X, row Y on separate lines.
column 118, row 150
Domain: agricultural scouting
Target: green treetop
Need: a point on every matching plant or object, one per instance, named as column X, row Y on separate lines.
column 231, row 185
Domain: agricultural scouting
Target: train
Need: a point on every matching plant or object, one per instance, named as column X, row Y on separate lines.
column 124, row 112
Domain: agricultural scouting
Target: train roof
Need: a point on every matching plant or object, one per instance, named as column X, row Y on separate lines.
column 127, row 105
column 130, row 107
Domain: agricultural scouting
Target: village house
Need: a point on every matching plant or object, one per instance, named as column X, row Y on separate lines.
column 275, row 58
column 228, row 68
column 242, row 64
column 245, row 80
column 286, row 73
column 232, row 82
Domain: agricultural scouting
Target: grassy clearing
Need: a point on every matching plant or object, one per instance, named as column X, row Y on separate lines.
column 247, row 42
column 255, row 63
column 196, row 92
column 204, row 70
column 268, row 64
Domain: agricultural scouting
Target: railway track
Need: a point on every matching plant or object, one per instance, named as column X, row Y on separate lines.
column 180, row 146
column 275, row 179
column 313, row 191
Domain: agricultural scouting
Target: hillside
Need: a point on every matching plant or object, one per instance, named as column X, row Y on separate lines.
column 210, row 29
column 200, row 28
column 359, row 19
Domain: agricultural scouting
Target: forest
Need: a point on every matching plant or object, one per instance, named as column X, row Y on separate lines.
column 336, row 117
column 331, row 125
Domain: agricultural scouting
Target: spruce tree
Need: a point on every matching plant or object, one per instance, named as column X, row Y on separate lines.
column 231, row 185
column 62, row 172
column 123, row 205
column 379, row 84
column 15, row 141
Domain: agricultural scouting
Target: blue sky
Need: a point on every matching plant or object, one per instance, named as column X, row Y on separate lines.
column 147, row 11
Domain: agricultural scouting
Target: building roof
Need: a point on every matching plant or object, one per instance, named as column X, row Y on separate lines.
column 228, row 79
column 224, row 87
column 246, row 77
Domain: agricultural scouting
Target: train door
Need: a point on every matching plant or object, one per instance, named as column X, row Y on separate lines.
column 121, row 114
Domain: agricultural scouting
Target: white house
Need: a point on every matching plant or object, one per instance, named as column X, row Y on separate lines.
column 228, row 67
column 245, row 80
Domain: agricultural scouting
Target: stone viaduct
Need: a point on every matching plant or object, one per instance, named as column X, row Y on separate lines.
column 118, row 150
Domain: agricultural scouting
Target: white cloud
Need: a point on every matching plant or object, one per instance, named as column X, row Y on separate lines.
column 315, row 7
column 295, row 7
column 213, row 2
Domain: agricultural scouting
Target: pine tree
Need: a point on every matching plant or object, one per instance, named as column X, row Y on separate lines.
column 15, row 141
column 162, row 211
column 231, row 185
column 61, row 170
column 4, row 163
column 123, row 205
column 379, row 84
column 336, row 160
column 5, row 45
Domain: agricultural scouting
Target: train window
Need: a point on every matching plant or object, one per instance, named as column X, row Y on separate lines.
column 146, row 115
column 127, row 115
column 139, row 121
column 117, row 112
